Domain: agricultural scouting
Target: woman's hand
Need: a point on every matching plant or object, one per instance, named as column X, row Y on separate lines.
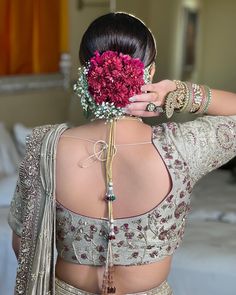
column 153, row 93
column 223, row 103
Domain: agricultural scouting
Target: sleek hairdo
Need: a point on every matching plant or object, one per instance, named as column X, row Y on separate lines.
column 119, row 32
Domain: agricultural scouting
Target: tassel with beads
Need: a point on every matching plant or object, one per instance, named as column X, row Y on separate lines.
column 108, row 286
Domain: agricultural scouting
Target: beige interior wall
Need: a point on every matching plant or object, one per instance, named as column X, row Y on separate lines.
column 218, row 57
column 162, row 17
column 139, row 8
column 34, row 108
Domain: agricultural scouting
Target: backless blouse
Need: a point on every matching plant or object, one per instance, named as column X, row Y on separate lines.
column 190, row 150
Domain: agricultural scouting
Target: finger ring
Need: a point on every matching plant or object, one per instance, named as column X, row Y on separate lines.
column 159, row 109
column 151, row 107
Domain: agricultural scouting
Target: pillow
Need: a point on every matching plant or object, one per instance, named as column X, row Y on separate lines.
column 20, row 134
column 9, row 157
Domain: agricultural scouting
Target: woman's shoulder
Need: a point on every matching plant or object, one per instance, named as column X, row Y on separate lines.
column 43, row 129
column 35, row 140
column 39, row 132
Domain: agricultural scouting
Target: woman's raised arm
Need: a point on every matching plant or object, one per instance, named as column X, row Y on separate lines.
column 223, row 103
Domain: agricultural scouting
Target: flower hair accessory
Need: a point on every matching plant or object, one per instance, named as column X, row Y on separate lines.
column 107, row 82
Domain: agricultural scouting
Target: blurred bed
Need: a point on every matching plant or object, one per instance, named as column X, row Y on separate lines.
column 8, row 262
column 11, row 152
column 205, row 264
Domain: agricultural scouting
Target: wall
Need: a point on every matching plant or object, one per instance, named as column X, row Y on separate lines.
column 218, row 58
column 139, row 8
column 162, row 17
column 34, row 108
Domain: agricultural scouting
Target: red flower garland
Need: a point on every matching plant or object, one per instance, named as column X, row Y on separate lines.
column 114, row 77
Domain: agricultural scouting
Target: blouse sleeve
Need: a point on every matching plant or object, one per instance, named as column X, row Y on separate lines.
column 206, row 143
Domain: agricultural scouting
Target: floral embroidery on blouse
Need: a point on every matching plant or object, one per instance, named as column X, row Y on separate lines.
column 142, row 239
column 189, row 150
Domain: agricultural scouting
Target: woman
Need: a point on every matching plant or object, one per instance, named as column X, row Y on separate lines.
column 113, row 195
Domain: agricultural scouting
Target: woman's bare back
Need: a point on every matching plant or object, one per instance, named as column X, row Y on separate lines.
column 82, row 190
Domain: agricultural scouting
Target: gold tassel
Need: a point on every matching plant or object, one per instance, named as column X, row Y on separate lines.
column 108, row 286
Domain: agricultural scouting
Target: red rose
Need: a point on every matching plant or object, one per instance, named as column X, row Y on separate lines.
column 114, row 77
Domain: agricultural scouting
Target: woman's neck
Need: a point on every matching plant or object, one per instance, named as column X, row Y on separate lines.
column 125, row 119
column 127, row 129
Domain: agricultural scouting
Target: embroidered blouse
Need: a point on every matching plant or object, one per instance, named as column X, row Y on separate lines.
column 190, row 150
column 140, row 239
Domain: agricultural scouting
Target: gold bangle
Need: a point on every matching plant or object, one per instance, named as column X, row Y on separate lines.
column 170, row 104
column 205, row 101
column 176, row 100
column 198, row 97
column 188, row 97
column 181, row 94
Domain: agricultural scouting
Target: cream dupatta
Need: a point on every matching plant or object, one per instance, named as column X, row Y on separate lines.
column 36, row 263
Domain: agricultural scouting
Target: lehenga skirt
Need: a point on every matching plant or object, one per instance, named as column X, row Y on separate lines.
column 62, row 288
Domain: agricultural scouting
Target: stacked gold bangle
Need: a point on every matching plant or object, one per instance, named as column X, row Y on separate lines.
column 188, row 97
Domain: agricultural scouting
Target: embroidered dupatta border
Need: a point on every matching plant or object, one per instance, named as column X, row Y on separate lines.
column 29, row 173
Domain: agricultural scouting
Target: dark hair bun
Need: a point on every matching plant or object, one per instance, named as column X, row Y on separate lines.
column 118, row 32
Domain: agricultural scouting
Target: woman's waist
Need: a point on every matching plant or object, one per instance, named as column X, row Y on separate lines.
column 129, row 279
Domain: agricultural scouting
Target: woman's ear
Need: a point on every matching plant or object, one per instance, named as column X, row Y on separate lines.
column 152, row 70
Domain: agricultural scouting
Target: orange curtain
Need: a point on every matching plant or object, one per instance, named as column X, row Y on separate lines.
column 4, row 36
column 31, row 35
